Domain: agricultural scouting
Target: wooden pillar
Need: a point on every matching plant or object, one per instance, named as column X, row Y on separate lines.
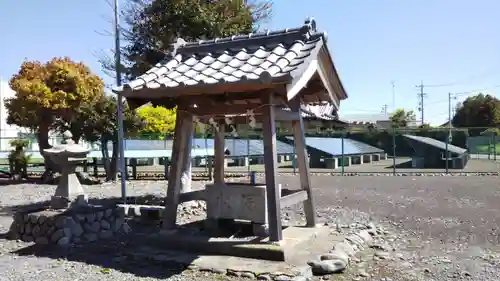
column 303, row 164
column 210, row 161
column 179, row 150
column 219, row 147
column 271, row 165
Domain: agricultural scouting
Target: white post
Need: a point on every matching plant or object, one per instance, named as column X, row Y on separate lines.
column 186, row 174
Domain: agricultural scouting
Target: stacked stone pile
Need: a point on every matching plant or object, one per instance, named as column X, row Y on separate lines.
column 64, row 228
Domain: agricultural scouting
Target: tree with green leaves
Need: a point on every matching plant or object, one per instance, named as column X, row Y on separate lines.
column 50, row 94
column 401, row 118
column 97, row 123
column 480, row 112
column 159, row 121
column 152, row 26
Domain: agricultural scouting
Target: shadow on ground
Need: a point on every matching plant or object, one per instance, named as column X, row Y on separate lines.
column 129, row 253
column 124, row 253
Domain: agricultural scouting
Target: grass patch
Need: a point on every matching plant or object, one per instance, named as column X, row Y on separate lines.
column 488, row 149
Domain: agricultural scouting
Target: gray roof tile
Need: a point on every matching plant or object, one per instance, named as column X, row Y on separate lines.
column 252, row 57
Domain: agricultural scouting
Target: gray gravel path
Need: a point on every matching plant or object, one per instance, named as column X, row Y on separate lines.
column 441, row 228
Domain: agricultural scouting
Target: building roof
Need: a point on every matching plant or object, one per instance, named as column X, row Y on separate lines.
column 437, row 144
column 262, row 58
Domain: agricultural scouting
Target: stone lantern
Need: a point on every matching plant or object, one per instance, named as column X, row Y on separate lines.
column 67, row 156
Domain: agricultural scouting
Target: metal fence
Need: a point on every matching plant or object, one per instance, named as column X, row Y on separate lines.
column 353, row 151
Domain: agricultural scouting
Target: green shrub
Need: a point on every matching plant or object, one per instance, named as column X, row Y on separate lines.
column 18, row 160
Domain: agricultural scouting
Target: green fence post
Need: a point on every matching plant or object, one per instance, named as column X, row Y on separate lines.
column 394, row 151
column 342, row 153
column 494, row 146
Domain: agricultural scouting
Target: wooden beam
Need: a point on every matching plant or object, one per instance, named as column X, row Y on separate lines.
column 179, row 149
column 223, row 109
column 294, row 198
column 271, row 165
column 303, row 165
column 219, row 147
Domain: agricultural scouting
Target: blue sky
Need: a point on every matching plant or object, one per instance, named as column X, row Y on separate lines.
column 450, row 42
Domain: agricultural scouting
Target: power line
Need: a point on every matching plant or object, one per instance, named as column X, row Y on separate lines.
column 466, row 80
column 421, row 96
column 464, row 93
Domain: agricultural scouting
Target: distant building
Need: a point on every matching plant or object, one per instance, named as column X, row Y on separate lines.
column 7, row 132
column 380, row 121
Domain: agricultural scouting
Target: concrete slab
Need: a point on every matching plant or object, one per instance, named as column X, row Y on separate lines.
column 257, row 248
column 321, row 240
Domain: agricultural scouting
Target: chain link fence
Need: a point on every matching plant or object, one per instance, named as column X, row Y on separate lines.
column 353, row 151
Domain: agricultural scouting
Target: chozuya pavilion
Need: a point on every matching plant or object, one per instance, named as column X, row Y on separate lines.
column 253, row 78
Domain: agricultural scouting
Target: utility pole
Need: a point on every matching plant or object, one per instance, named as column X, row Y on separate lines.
column 384, row 109
column 421, row 97
column 121, row 135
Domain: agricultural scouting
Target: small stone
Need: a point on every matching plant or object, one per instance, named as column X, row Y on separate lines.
column 33, row 219
column 363, row 273
column 67, row 232
column 41, row 219
column 218, row 271
column 99, row 215
column 104, row 234
column 36, row 230
column 126, row 228
column 90, row 237
column 247, row 274
column 117, row 224
column 63, row 241
column 108, row 213
column 233, row 273
column 51, row 230
column 356, row 240
column 382, row 255
column 60, row 221
column 105, row 224
column 57, row 235
column 90, row 217
column 326, row 267
column 27, row 238
column 28, row 228
column 336, row 255
column 42, row 240
column 76, row 230
column 21, row 228
column 365, row 235
column 96, row 226
column 283, row 278
column 346, row 248
column 264, row 277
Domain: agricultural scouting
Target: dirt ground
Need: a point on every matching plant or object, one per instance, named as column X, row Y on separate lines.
column 441, row 228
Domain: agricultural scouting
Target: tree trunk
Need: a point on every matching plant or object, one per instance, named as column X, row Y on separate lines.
column 109, row 163
column 42, row 136
column 113, row 165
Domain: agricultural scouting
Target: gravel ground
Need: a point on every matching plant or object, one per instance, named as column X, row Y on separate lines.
column 440, row 228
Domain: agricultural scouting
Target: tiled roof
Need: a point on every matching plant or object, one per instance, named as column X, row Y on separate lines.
column 261, row 57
